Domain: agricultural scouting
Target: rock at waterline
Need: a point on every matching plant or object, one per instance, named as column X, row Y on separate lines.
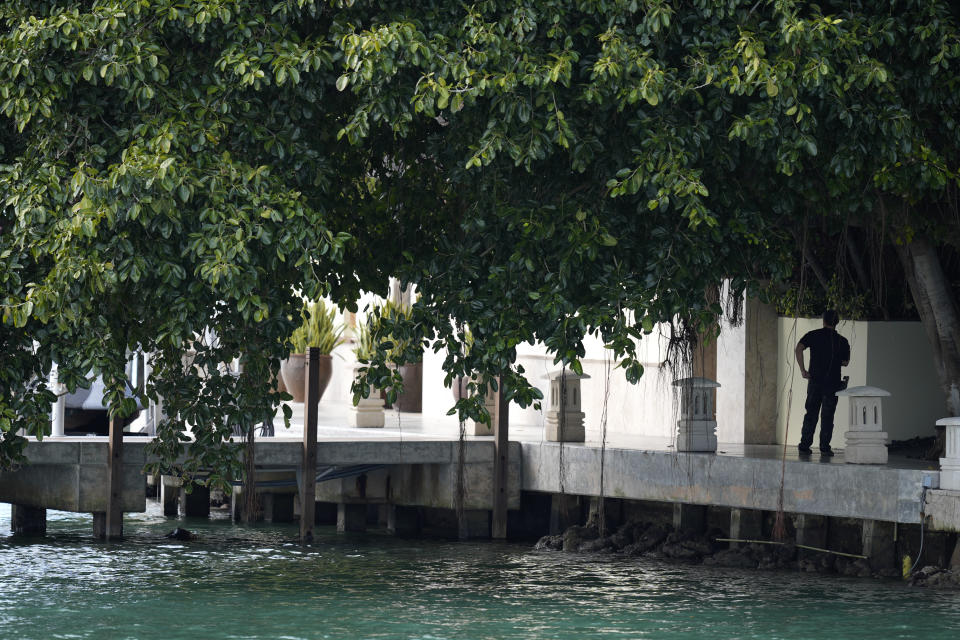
column 575, row 536
column 181, row 534
column 935, row 577
column 551, row 543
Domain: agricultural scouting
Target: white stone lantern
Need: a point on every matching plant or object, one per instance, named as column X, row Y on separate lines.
column 697, row 426
column 866, row 439
column 369, row 412
column 950, row 465
column 564, row 420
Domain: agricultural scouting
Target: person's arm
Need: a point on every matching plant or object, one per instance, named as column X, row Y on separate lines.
column 798, row 351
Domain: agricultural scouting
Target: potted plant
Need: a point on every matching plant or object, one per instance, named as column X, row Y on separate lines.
column 364, row 346
column 319, row 329
column 368, row 411
column 411, row 398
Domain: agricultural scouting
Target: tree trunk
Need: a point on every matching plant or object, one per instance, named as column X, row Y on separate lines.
column 938, row 312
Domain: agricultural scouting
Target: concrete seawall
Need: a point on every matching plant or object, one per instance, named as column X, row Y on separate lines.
column 70, row 474
column 828, row 489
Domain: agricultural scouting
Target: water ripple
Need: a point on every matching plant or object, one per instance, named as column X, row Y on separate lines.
column 255, row 582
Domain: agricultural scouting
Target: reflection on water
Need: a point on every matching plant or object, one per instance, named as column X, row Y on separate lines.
column 256, row 582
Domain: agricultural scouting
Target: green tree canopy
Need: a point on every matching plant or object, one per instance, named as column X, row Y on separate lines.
column 540, row 169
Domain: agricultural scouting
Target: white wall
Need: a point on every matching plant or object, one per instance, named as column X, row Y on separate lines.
column 901, row 361
column 642, row 409
column 731, row 360
column 894, row 356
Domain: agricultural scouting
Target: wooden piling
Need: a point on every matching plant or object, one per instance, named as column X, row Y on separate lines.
column 308, row 474
column 501, row 432
column 114, row 524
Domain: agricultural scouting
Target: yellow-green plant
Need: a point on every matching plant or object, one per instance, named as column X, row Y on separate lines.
column 396, row 311
column 365, row 346
column 319, row 329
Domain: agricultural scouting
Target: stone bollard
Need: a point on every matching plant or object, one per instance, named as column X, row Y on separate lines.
column 866, row 439
column 697, row 427
column 564, row 419
column 369, row 411
column 950, row 465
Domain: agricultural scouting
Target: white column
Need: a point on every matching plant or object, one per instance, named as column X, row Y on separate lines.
column 950, row 465
column 58, row 408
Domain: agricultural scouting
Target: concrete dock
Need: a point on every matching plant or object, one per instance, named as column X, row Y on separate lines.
column 421, row 457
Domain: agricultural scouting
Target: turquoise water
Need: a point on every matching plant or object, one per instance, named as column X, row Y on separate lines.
column 256, row 582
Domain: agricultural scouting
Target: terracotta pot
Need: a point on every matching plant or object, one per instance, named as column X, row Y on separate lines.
column 294, row 373
column 278, row 384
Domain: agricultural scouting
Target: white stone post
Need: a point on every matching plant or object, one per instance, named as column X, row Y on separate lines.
column 369, row 413
column 153, row 412
column 950, row 465
column 866, row 439
column 564, row 419
column 59, row 406
column 697, row 426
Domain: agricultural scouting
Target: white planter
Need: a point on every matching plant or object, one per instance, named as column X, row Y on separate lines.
column 368, row 414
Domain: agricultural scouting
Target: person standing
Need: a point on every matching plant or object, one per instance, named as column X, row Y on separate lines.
column 828, row 352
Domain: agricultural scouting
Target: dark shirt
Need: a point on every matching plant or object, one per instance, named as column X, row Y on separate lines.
column 827, row 350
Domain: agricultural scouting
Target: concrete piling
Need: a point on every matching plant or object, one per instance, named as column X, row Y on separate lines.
column 195, row 504
column 278, row 507
column 403, row 521
column 351, row 517
column 879, row 545
column 811, row 532
column 170, row 495
column 564, row 512
column 474, row 525
column 689, row 517
column 28, row 521
column 746, row 524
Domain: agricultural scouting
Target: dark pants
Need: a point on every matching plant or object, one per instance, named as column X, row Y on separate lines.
column 821, row 399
